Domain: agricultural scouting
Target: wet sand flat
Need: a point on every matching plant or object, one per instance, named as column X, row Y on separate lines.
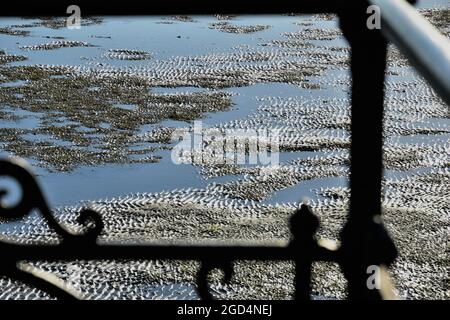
column 95, row 110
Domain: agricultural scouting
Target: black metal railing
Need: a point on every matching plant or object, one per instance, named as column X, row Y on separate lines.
column 364, row 240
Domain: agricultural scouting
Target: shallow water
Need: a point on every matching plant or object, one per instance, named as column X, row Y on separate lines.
column 163, row 37
column 89, row 183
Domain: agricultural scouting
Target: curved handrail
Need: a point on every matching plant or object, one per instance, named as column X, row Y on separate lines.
column 425, row 47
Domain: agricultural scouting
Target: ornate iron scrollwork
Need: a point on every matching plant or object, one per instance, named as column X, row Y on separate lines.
column 303, row 249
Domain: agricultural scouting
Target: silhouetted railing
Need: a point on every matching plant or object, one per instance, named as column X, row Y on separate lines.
column 364, row 240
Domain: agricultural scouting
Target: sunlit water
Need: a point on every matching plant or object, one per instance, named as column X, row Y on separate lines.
column 163, row 40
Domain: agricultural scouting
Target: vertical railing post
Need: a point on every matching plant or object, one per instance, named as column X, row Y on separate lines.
column 304, row 225
column 364, row 240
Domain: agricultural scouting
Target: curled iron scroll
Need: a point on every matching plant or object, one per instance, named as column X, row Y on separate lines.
column 202, row 276
column 32, row 199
